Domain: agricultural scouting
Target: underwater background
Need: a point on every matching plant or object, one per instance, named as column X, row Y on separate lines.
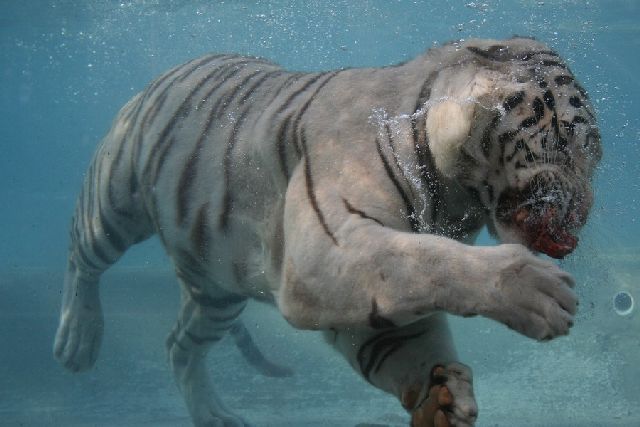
column 68, row 66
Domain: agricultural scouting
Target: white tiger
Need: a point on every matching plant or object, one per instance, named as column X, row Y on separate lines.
column 349, row 199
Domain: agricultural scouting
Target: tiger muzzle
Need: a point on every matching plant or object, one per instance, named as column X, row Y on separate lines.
column 546, row 219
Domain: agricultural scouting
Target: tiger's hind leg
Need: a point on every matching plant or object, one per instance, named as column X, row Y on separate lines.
column 108, row 219
column 203, row 321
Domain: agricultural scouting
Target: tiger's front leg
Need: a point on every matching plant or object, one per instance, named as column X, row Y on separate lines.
column 343, row 268
column 347, row 266
column 416, row 363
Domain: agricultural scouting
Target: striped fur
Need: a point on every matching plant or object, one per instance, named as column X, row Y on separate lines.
column 346, row 198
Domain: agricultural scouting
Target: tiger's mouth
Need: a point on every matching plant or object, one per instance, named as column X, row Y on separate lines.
column 542, row 220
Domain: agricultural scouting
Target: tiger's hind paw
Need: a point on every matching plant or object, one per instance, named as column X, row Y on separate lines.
column 78, row 338
column 447, row 402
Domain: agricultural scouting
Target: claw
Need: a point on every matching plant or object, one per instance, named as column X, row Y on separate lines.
column 440, row 419
column 444, row 397
column 446, row 401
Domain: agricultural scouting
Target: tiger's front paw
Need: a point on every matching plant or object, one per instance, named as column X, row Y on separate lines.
column 529, row 295
column 447, row 402
column 79, row 337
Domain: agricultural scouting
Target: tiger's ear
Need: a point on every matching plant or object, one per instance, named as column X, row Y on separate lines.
column 450, row 120
column 448, row 126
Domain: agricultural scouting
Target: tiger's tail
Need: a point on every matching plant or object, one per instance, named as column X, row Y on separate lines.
column 253, row 355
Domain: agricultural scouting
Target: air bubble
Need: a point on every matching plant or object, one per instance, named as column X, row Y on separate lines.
column 623, row 303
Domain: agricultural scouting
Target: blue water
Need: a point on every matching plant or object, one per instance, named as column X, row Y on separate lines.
column 68, row 66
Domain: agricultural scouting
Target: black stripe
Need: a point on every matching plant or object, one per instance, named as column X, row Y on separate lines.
column 490, row 191
column 380, row 343
column 386, row 355
column 225, row 100
column 89, row 202
column 528, row 122
column 224, row 302
column 551, row 63
column 190, row 170
column 224, row 73
column 538, row 108
column 513, row 101
column 217, row 303
column 305, row 106
column 93, row 209
column 227, row 71
column 426, row 165
column 360, row 356
column 525, row 56
column 503, row 140
column 392, row 147
column 355, row 211
column 486, row 143
column 115, row 239
column 579, row 119
column 555, row 124
column 200, row 232
column 575, row 102
column 160, row 148
column 187, row 177
column 409, row 208
column 301, row 146
column 376, row 321
column 149, row 91
column 220, row 317
column 500, row 55
column 589, row 113
column 207, row 59
column 158, row 104
column 231, row 142
column 293, row 77
column 530, row 156
column 425, row 92
column 281, row 143
column 297, row 92
column 563, row 80
column 582, row 90
column 96, row 248
column 86, row 259
column 281, row 139
column 311, row 191
column 118, row 163
column 198, row 340
column 268, row 75
column 188, row 267
column 519, row 145
column 549, row 100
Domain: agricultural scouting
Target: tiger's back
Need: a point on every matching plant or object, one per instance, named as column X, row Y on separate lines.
column 191, row 157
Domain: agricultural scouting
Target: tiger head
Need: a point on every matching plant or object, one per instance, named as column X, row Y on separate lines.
column 509, row 121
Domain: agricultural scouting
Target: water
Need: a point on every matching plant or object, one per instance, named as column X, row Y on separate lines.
column 67, row 67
